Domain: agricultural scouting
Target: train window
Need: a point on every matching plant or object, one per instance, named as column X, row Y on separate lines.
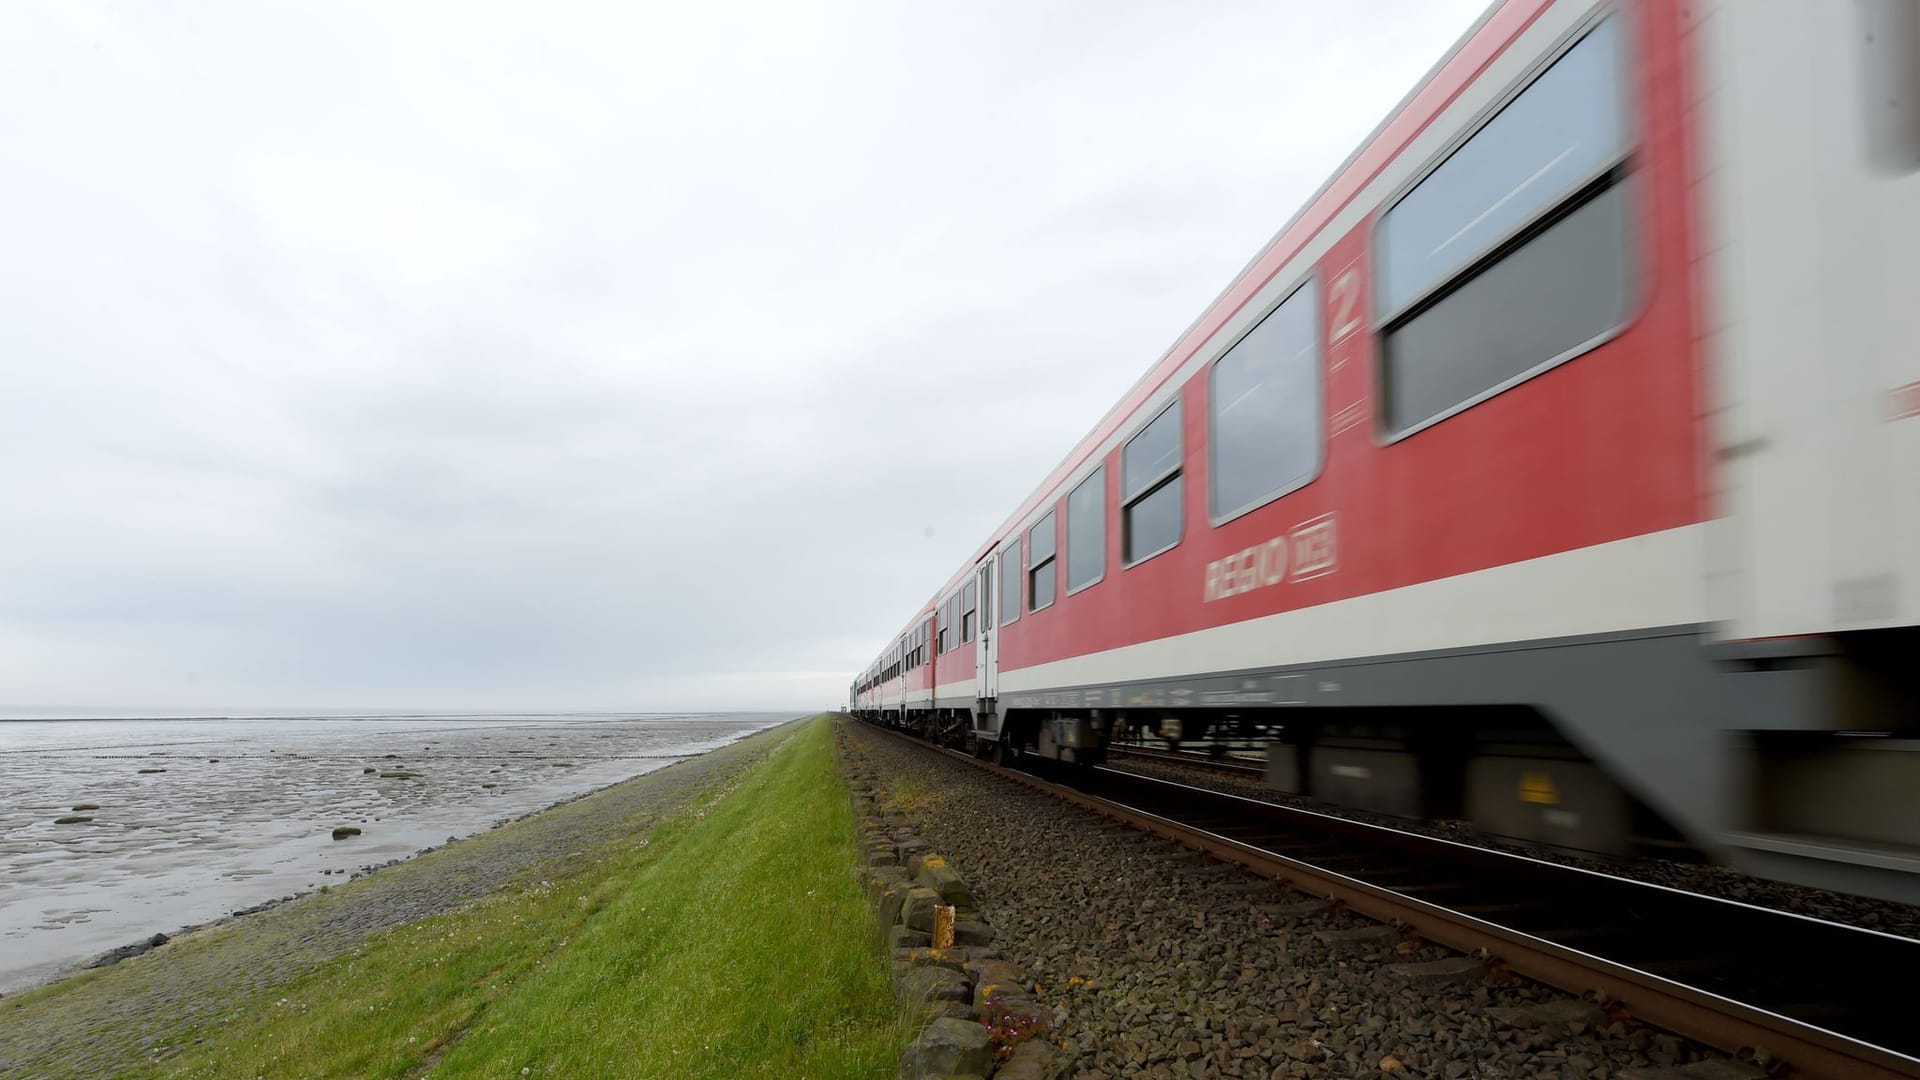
column 1512, row 254
column 1150, row 488
column 1087, row 532
column 969, row 613
column 1266, row 420
column 1040, row 551
column 1010, row 584
column 985, row 577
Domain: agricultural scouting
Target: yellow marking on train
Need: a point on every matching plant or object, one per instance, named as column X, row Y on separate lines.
column 1537, row 787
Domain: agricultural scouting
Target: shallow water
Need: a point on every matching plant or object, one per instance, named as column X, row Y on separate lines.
column 199, row 818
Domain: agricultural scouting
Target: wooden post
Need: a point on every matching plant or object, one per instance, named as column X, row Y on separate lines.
column 942, row 926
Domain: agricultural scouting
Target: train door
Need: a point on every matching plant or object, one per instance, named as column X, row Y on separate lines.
column 986, row 667
column 1813, row 212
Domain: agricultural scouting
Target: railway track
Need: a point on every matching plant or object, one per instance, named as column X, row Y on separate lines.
column 1824, row 999
column 1240, row 767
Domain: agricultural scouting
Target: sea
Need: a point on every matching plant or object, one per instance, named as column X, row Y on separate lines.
column 113, row 829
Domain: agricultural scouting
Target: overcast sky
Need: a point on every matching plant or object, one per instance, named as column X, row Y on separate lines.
column 465, row 355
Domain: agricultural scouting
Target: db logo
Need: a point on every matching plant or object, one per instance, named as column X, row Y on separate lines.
column 1307, row 551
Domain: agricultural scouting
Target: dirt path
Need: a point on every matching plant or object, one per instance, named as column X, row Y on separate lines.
column 107, row 1021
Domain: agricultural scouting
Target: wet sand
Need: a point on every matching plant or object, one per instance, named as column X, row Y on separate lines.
column 141, row 1011
column 188, row 821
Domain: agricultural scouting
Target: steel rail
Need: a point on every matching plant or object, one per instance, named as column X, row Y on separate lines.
column 1807, row 1050
column 1230, row 766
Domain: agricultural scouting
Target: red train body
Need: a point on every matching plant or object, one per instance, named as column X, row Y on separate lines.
column 1496, row 486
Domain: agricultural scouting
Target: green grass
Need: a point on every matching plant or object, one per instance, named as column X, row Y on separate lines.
column 732, row 940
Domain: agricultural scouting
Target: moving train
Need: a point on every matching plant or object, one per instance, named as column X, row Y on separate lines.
column 1555, row 469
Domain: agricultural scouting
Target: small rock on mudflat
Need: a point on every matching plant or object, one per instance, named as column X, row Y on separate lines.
column 126, row 951
column 345, row 831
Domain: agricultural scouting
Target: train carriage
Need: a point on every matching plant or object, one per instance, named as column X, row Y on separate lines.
column 1552, row 469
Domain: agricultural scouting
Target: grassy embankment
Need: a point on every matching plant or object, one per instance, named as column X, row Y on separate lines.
column 731, row 940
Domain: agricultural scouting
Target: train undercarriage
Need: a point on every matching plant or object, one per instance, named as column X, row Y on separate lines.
column 1502, row 771
column 1835, row 805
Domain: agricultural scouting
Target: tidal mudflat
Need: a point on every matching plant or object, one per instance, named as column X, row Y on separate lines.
column 114, row 830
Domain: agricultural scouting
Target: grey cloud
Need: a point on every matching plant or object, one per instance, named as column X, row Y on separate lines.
column 601, row 356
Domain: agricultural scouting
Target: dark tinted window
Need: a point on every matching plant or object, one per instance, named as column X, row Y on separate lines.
column 1010, row 584
column 1567, row 286
column 1265, row 403
column 1087, row 531
column 1040, row 548
column 1513, row 253
column 1153, row 521
column 1150, row 488
column 1043, row 585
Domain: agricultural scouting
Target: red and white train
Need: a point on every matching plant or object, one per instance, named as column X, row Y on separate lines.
column 1556, row 468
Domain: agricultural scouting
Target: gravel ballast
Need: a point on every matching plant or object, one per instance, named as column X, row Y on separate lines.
column 1159, row 961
